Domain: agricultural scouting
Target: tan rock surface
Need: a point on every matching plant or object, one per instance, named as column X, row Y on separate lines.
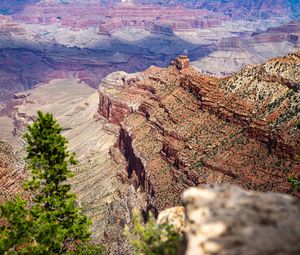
column 174, row 216
column 224, row 219
column 105, row 199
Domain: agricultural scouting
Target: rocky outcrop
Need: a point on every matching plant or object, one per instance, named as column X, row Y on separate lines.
column 113, row 108
column 186, row 129
column 228, row 220
column 225, row 219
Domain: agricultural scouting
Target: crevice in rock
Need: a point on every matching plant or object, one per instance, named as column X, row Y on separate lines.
column 135, row 167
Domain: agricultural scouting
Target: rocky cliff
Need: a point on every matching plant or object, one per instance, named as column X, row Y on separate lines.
column 179, row 128
column 239, row 8
column 106, row 200
column 165, row 129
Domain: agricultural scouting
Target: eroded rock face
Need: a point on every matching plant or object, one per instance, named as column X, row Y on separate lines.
column 12, row 173
column 186, row 129
column 115, row 110
column 238, row 9
column 224, row 219
column 105, row 199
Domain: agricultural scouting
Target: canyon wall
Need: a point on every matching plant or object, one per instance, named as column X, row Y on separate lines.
column 163, row 130
column 186, row 129
column 43, row 41
column 238, row 8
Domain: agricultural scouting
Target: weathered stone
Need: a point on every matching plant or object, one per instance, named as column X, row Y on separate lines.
column 182, row 62
column 12, row 172
column 173, row 216
column 224, row 219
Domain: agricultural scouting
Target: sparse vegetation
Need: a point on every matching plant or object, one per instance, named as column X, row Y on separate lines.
column 153, row 239
column 295, row 182
column 49, row 220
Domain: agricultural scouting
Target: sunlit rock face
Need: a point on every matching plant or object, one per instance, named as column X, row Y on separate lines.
column 145, row 137
column 12, row 171
column 224, row 219
column 179, row 128
column 106, row 200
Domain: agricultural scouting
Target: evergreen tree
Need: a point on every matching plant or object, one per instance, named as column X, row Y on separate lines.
column 50, row 222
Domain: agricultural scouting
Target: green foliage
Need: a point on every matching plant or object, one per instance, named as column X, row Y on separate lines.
column 152, row 238
column 88, row 249
column 17, row 227
column 295, row 183
column 50, row 222
column 293, row 180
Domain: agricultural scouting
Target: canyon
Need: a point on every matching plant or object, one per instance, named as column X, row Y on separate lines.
column 179, row 128
column 143, row 138
column 155, row 97
column 45, row 40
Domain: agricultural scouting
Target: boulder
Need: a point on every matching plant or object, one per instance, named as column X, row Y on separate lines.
column 225, row 219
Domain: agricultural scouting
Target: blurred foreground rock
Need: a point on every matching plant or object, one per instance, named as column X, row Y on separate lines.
column 228, row 220
column 225, row 219
column 174, row 216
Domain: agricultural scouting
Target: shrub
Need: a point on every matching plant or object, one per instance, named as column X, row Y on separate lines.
column 152, row 238
column 295, row 183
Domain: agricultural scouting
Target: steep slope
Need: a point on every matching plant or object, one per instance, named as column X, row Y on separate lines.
column 105, row 199
column 166, row 129
column 12, row 172
column 180, row 128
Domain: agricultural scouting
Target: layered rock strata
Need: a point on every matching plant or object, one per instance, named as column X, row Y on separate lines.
column 179, row 128
column 52, row 39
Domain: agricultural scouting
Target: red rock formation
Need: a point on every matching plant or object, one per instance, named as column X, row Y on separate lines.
column 188, row 129
column 113, row 110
